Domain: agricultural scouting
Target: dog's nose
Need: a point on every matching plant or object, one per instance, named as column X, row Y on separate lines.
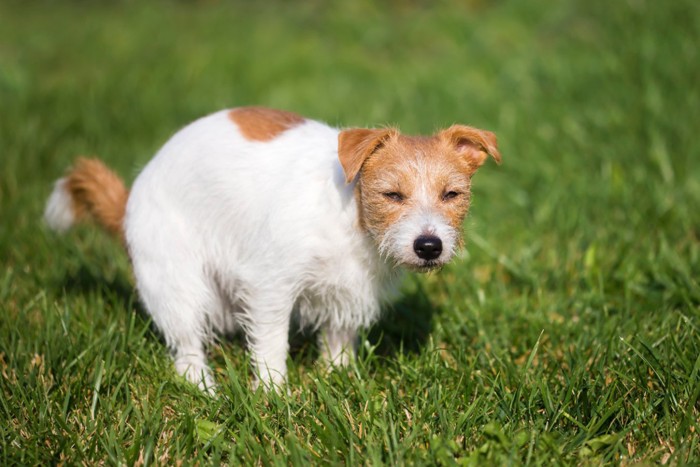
column 427, row 247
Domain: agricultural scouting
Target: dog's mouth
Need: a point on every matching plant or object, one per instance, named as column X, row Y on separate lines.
column 425, row 266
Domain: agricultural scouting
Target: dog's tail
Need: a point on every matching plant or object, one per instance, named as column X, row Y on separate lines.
column 89, row 190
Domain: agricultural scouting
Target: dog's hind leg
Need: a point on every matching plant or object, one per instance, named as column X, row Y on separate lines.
column 180, row 302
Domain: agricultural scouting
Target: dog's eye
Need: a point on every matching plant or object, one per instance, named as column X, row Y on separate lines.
column 394, row 196
column 448, row 195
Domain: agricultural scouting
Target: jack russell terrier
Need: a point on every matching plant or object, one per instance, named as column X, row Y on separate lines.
column 248, row 215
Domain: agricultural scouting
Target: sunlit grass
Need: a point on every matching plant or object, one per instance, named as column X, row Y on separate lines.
column 566, row 333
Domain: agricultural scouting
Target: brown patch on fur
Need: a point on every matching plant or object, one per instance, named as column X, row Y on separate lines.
column 263, row 124
column 98, row 192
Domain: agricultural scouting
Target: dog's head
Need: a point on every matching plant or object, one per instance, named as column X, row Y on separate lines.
column 414, row 192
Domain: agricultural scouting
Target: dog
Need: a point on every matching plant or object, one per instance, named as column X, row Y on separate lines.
column 247, row 216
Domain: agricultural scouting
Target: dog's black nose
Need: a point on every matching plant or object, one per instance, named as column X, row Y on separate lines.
column 427, row 247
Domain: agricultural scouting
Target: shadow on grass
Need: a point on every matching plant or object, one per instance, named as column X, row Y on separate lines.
column 85, row 280
column 404, row 327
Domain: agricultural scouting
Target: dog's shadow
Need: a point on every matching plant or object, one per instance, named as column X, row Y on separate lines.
column 405, row 325
column 84, row 280
column 116, row 288
column 403, row 329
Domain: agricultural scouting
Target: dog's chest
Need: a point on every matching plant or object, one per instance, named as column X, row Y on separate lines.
column 346, row 291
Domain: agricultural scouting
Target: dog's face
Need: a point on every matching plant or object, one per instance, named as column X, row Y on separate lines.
column 414, row 192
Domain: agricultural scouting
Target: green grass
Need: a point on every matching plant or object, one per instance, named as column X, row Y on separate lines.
column 566, row 333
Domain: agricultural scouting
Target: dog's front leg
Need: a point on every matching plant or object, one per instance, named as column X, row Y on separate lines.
column 268, row 338
column 338, row 346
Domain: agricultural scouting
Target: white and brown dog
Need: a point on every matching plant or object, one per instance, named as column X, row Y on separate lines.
column 249, row 215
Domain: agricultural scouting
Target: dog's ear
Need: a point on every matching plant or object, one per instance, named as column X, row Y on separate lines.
column 356, row 145
column 474, row 144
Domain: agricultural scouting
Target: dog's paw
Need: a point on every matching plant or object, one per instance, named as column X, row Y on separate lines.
column 197, row 373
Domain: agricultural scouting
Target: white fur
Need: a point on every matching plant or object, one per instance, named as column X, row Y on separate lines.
column 59, row 208
column 397, row 242
column 226, row 233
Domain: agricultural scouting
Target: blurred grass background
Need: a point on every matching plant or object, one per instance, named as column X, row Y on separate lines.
column 566, row 333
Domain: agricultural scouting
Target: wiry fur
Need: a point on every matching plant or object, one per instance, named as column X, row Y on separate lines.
column 230, row 229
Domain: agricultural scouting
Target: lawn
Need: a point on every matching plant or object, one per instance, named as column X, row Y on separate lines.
column 567, row 332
